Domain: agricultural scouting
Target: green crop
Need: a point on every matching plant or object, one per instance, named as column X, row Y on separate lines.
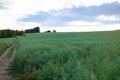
column 67, row 56
column 5, row 43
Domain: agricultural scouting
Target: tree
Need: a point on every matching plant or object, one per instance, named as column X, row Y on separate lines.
column 54, row 31
column 10, row 33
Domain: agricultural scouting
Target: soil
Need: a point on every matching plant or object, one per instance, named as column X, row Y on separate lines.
column 5, row 62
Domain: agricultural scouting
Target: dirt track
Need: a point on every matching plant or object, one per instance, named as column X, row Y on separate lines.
column 4, row 63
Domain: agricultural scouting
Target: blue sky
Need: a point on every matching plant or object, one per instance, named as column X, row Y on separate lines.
column 64, row 15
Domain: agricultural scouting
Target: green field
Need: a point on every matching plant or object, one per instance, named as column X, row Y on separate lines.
column 67, row 56
column 5, row 43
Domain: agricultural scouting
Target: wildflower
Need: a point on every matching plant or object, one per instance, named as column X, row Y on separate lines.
column 17, row 78
column 22, row 75
column 32, row 75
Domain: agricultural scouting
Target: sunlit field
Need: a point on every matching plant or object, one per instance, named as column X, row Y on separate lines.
column 5, row 43
column 67, row 56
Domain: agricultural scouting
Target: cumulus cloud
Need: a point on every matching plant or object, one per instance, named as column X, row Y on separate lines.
column 108, row 18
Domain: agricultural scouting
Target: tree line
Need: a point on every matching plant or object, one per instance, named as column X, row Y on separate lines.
column 10, row 33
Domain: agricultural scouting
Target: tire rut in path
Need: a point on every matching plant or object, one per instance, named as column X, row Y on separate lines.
column 4, row 63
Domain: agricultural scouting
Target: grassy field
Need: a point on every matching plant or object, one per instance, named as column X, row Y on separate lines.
column 5, row 43
column 67, row 56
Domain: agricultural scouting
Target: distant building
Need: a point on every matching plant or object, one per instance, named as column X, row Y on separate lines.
column 34, row 30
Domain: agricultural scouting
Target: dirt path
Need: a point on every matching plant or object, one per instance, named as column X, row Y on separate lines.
column 4, row 63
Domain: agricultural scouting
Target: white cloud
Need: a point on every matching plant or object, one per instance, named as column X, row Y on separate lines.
column 94, row 2
column 101, row 27
column 108, row 18
column 83, row 23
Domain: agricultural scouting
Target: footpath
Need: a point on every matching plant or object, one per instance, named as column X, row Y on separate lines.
column 5, row 62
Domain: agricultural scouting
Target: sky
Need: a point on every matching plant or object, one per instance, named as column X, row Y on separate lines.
column 60, row 15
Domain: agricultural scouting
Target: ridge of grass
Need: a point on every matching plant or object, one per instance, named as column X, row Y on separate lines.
column 5, row 43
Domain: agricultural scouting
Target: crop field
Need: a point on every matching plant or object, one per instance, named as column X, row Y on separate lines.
column 67, row 56
column 5, row 43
